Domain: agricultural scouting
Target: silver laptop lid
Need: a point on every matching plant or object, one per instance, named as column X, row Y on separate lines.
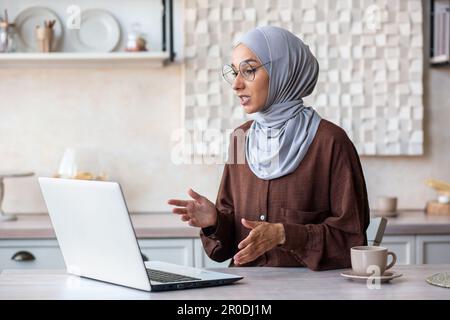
column 94, row 231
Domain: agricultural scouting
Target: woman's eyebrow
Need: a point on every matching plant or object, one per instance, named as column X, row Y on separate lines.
column 247, row 60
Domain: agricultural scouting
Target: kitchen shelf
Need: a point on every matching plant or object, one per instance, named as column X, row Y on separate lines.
column 64, row 58
column 87, row 60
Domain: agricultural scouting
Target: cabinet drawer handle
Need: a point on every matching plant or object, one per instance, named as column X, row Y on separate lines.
column 23, row 256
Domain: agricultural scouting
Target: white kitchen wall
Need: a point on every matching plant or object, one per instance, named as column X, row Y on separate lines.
column 370, row 57
column 122, row 121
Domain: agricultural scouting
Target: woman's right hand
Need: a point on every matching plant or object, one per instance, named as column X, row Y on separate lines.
column 199, row 212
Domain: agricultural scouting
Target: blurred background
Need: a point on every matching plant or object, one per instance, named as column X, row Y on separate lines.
column 114, row 90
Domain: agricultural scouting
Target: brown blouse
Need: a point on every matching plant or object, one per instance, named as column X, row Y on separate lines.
column 323, row 205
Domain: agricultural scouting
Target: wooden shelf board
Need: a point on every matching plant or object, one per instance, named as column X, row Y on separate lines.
column 69, row 59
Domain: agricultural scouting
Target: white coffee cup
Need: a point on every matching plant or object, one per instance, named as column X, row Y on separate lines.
column 367, row 259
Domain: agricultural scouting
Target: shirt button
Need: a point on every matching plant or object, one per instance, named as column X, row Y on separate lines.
column 262, row 217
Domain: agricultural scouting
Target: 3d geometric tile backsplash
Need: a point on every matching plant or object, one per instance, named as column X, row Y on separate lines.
column 370, row 57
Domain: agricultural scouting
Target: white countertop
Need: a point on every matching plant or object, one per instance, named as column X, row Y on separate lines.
column 168, row 225
column 258, row 283
column 147, row 225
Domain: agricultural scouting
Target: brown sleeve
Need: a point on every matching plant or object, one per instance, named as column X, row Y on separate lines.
column 327, row 245
column 218, row 241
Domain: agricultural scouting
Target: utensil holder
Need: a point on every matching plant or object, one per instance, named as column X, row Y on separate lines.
column 44, row 38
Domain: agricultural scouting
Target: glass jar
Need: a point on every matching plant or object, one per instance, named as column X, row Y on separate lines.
column 136, row 39
column 7, row 37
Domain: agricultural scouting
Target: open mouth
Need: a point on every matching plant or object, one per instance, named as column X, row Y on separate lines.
column 245, row 100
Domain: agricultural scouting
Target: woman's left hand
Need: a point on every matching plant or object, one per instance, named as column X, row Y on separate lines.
column 263, row 237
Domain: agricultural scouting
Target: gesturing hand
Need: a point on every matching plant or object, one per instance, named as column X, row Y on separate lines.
column 263, row 237
column 199, row 212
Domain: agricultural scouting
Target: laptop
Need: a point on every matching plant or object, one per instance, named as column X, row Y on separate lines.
column 97, row 239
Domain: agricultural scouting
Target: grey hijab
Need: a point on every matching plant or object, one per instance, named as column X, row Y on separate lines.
column 283, row 130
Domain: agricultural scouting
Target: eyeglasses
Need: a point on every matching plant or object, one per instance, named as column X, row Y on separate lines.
column 246, row 70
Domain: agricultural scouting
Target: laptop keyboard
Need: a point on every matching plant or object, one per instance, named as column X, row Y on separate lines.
column 164, row 277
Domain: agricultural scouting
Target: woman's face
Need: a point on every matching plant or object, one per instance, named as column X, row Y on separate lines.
column 252, row 94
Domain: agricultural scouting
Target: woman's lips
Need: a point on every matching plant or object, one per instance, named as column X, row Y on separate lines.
column 245, row 100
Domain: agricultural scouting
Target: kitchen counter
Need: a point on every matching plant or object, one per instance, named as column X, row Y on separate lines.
column 416, row 222
column 168, row 225
column 147, row 225
column 258, row 283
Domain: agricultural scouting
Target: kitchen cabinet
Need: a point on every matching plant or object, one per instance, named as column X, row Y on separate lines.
column 432, row 249
column 45, row 254
column 403, row 246
column 178, row 251
column 30, row 254
column 203, row 261
column 419, row 249
column 30, row 243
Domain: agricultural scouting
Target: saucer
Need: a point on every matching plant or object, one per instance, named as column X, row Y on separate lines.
column 385, row 277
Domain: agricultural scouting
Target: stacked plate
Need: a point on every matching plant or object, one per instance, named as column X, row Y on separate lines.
column 26, row 23
column 99, row 32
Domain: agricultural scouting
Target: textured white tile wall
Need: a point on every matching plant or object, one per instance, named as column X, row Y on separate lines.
column 370, row 56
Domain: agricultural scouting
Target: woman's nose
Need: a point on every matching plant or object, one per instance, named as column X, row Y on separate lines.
column 238, row 82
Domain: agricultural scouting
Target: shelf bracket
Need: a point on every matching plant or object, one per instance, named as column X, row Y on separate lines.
column 168, row 15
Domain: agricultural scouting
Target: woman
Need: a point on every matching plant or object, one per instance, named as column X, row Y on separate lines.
column 299, row 198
